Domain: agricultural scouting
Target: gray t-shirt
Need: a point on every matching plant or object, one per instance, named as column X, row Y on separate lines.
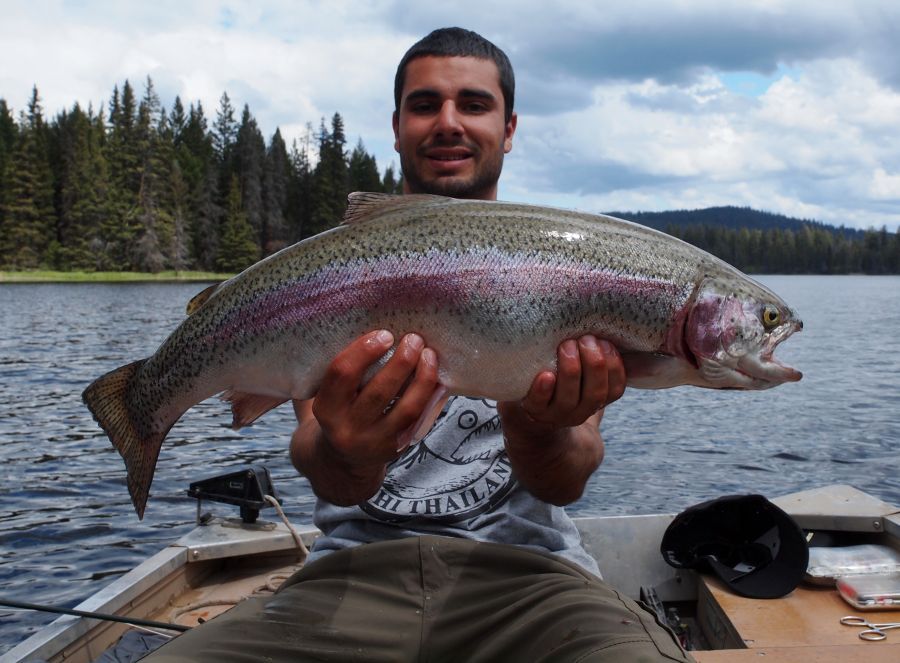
column 456, row 482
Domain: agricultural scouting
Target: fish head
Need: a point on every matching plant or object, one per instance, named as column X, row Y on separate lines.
column 732, row 330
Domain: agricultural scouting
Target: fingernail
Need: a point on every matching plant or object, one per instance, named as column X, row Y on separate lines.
column 384, row 337
column 415, row 341
column 608, row 347
column 429, row 357
column 569, row 348
column 588, row 342
column 547, row 382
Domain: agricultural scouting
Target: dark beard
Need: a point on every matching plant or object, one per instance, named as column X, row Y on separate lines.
column 483, row 181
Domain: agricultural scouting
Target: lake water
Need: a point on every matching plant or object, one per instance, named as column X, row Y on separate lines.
column 67, row 526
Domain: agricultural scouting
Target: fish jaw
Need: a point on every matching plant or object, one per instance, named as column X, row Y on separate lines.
column 731, row 345
column 763, row 365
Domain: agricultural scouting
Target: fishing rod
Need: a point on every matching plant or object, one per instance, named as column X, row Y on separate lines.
column 134, row 621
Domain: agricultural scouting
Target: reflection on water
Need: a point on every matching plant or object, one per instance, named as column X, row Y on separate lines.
column 67, row 526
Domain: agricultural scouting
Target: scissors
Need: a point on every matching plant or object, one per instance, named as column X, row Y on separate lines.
column 872, row 631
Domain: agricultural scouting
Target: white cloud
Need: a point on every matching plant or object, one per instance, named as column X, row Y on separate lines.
column 818, row 146
column 885, row 186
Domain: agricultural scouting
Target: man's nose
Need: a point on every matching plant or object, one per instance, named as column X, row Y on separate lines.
column 448, row 120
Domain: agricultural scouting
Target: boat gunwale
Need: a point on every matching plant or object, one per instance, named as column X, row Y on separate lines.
column 199, row 545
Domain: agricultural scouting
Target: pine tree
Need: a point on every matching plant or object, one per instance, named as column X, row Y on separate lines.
column 276, row 180
column 174, row 197
column 8, row 134
column 178, row 121
column 225, row 133
column 198, row 163
column 330, row 183
column 362, row 171
column 250, row 157
column 237, row 249
column 27, row 199
column 154, row 228
column 83, row 194
column 390, row 183
column 299, row 197
column 124, row 153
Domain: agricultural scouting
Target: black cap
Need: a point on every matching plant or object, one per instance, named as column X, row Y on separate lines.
column 752, row 545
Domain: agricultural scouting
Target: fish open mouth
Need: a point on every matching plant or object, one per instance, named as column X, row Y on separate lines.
column 764, row 366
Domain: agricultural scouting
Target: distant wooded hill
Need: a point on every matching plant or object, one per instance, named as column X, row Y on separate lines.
column 763, row 242
column 730, row 216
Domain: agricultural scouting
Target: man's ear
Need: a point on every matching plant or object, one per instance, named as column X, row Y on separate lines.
column 510, row 130
column 395, row 122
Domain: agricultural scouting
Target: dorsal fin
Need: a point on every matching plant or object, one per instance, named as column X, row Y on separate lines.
column 200, row 298
column 362, row 205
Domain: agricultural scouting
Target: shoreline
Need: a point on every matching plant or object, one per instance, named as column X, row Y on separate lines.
column 48, row 276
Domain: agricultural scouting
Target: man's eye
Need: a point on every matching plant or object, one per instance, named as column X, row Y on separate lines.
column 476, row 107
column 422, row 108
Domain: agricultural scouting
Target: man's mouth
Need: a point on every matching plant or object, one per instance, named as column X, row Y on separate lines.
column 448, row 153
column 443, row 155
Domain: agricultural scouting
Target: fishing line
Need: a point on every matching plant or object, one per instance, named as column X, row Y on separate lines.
column 93, row 615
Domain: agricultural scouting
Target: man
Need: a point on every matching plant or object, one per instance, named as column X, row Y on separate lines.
column 456, row 548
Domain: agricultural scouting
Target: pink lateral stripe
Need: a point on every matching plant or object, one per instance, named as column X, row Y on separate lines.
column 432, row 280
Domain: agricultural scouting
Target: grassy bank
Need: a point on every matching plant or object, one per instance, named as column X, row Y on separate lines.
column 41, row 276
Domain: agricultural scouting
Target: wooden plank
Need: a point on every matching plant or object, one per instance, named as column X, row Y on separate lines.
column 234, row 581
column 103, row 635
column 806, row 616
column 865, row 652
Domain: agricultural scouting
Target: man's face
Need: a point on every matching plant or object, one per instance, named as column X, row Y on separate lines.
column 450, row 129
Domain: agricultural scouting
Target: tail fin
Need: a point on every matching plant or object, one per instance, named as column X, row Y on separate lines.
column 106, row 398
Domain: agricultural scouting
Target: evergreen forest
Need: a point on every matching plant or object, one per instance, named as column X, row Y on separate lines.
column 135, row 187
column 139, row 188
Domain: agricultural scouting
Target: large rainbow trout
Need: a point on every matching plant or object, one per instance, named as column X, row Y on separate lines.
column 492, row 287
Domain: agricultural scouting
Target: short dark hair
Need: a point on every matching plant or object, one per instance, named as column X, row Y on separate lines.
column 458, row 42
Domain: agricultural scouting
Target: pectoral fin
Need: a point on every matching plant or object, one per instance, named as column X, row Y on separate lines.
column 420, row 429
column 650, row 370
column 247, row 408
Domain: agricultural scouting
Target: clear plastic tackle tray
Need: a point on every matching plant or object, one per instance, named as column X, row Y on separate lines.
column 828, row 564
column 871, row 592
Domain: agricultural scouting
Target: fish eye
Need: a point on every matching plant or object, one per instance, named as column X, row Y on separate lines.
column 771, row 316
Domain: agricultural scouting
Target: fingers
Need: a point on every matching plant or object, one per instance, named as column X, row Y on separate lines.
column 302, row 409
column 615, row 373
column 568, row 381
column 596, row 358
column 411, row 403
column 392, row 381
column 345, row 373
column 590, row 375
column 362, row 421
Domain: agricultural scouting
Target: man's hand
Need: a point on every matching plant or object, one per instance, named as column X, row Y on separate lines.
column 349, row 432
column 590, row 375
column 553, row 434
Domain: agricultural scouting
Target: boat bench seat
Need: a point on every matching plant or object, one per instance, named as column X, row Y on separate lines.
column 802, row 627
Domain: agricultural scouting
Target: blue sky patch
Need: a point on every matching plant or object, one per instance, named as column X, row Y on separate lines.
column 752, row 83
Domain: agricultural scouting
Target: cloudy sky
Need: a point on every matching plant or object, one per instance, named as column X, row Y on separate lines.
column 780, row 105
